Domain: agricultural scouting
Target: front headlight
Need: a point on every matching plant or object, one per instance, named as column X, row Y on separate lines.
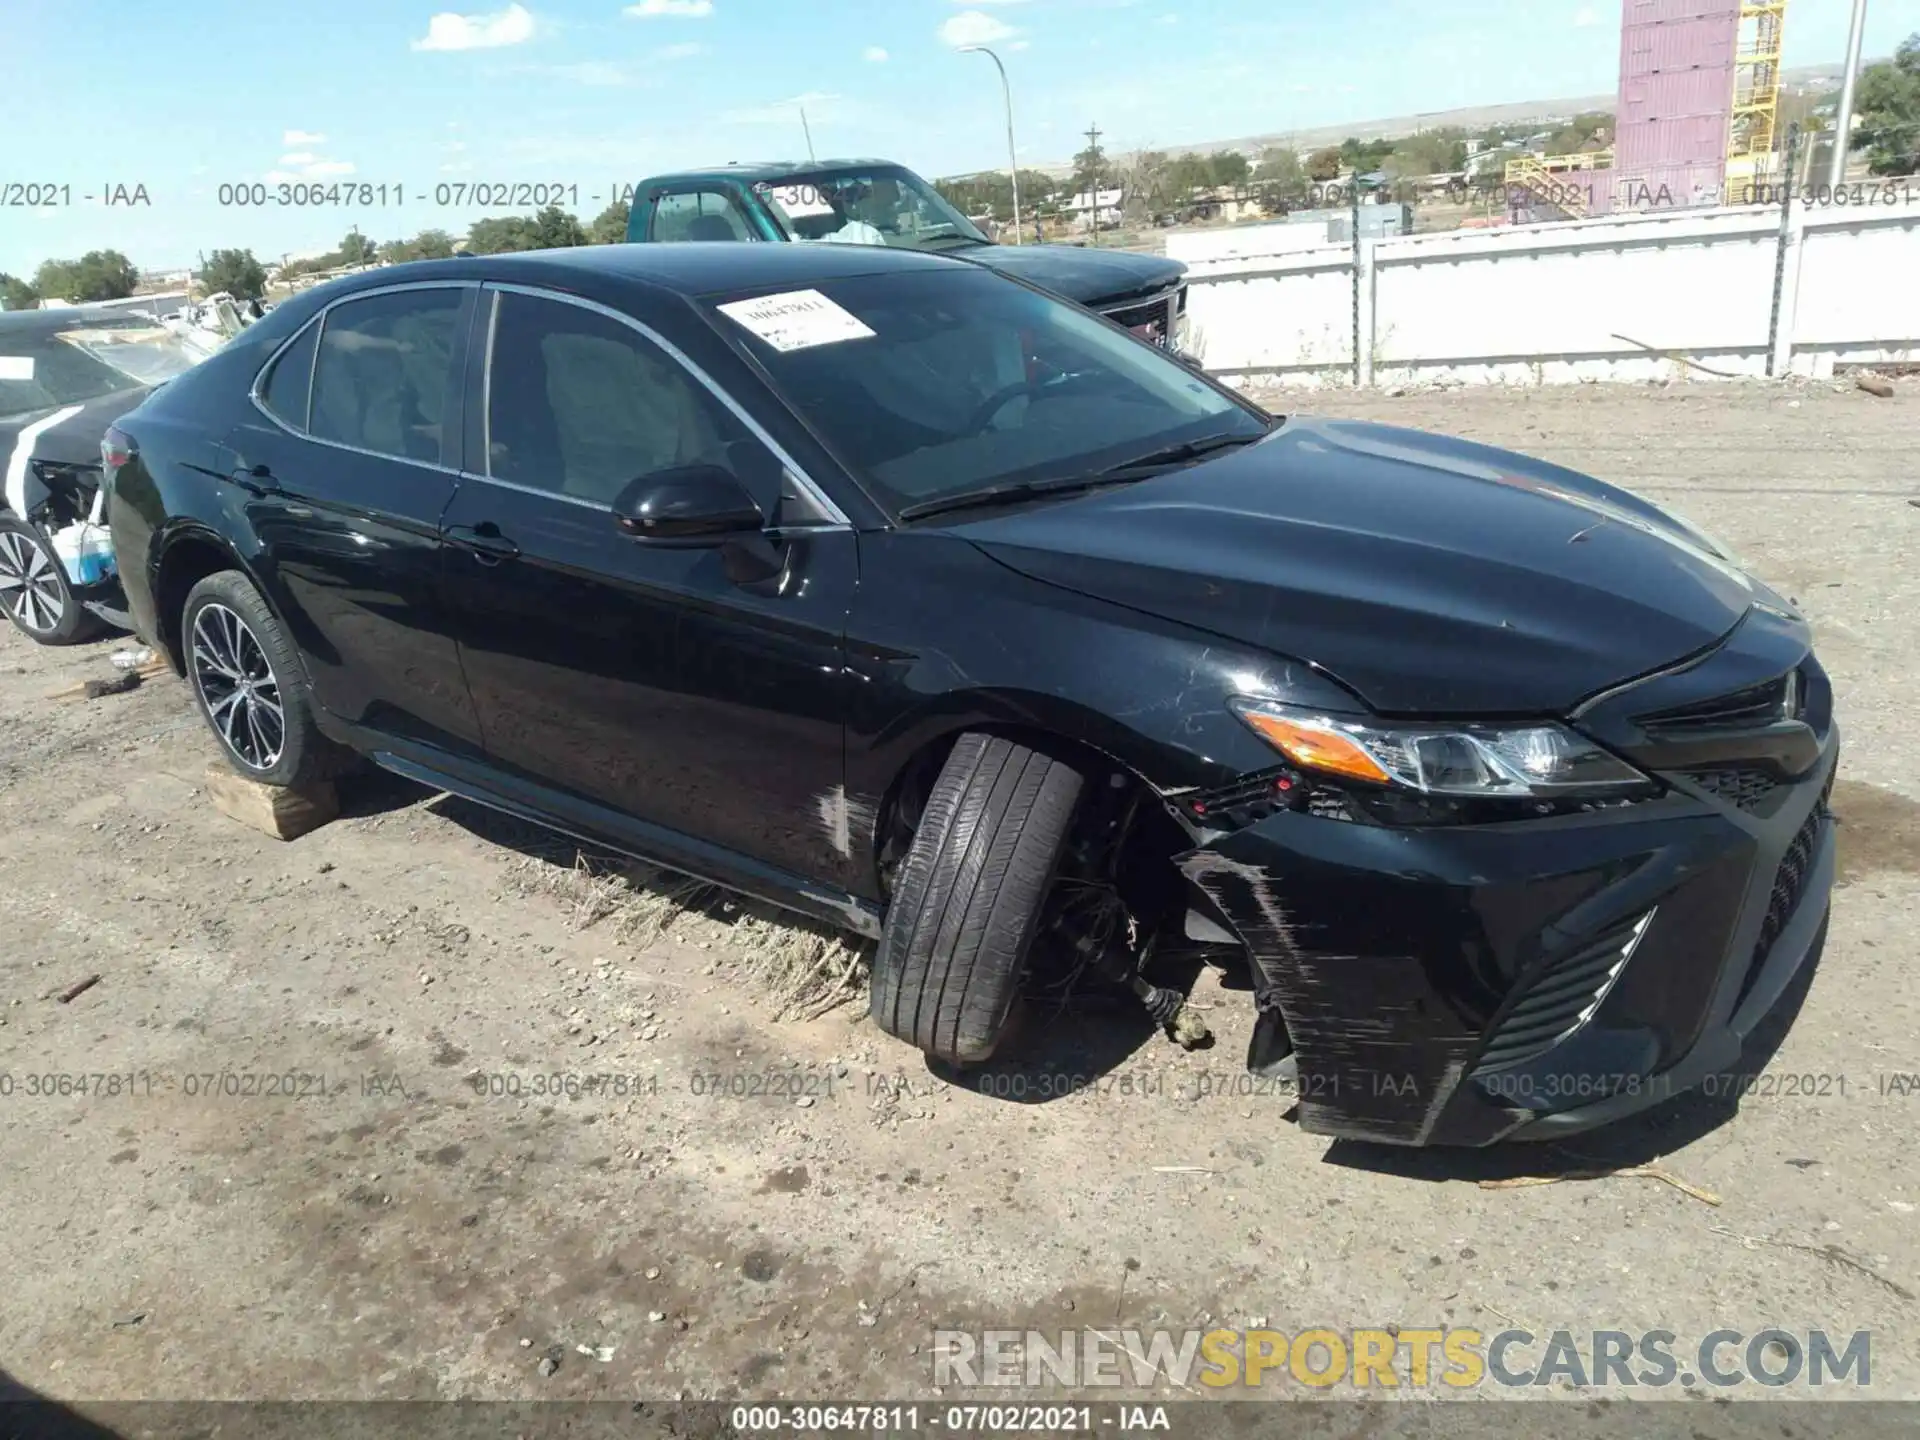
column 1538, row 761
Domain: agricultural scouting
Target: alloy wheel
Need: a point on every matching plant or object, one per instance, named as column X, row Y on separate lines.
column 29, row 588
column 238, row 687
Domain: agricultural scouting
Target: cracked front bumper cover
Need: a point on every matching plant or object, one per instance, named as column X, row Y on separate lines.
column 1395, row 955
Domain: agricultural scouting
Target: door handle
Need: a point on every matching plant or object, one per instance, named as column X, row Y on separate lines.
column 483, row 541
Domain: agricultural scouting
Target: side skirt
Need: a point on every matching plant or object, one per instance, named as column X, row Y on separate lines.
column 599, row 825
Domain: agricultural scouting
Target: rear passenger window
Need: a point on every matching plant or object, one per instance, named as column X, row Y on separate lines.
column 699, row 215
column 291, row 380
column 383, row 378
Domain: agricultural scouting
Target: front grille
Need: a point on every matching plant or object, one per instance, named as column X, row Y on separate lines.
column 1746, row 786
column 1150, row 319
column 1750, row 708
column 1561, row 998
column 1789, row 884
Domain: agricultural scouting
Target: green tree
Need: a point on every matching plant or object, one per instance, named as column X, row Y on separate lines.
column 1186, row 174
column 1281, row 178
column 96, row 275
column 427, row 245
column 17, row 294
column 1091, row 170
column 556, row 229
column 1324, row 165
column 236, row 272
column 1889, row 107
column 1228, row 167
column 609, row 227
column 499, row 234
column 355, row 249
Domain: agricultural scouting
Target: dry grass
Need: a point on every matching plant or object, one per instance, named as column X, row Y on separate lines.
column 803, row 969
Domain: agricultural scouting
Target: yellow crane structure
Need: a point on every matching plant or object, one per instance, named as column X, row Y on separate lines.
column 1753, row 160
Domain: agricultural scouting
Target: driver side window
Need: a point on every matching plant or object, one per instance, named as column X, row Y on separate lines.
column 580, row 405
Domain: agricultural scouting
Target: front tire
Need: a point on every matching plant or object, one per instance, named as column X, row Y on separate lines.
column 968, row 898
column 34, row 590
column 250, row 686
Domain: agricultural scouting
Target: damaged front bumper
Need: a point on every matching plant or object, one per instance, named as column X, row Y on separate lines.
column 1464, row 985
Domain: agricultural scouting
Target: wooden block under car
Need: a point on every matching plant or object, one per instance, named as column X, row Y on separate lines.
column 285, row 814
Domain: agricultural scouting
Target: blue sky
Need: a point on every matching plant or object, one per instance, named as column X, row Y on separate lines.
column 592, row 93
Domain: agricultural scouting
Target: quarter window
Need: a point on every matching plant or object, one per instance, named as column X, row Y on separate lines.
column 699, row 215
column 290, row 381
column 383, row 379
column 581, row 405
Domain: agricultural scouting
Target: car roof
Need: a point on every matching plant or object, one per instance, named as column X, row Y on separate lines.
column 687, row 268
column 72, row 317
column 754, row 170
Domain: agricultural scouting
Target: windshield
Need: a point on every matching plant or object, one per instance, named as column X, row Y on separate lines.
column 932, row 384
column 43, row 369
column 874, row 206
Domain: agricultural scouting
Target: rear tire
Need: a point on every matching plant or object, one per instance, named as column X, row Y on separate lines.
column 34, row 591
column 968, row 898
column 250, row 686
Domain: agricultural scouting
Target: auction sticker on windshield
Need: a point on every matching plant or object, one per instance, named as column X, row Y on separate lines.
column 797, row 320
column 16, row 367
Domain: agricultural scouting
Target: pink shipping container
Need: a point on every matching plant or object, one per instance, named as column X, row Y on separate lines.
column 1675, row 104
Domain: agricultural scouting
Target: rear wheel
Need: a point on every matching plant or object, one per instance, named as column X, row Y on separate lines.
column 968, row 898
column 250, row 686
column 34, row 591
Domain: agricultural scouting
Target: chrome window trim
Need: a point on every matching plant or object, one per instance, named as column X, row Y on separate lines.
column 320, row 319
column 597, row 506
column 837, row 517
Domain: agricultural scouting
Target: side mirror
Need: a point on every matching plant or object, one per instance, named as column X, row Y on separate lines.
column 689, row 504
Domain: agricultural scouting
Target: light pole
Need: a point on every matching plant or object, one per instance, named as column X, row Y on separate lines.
column 1013, row 155
column 1843, row 120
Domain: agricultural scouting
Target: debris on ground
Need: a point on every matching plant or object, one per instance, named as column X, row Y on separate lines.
column 74, row 991
column 1874, row 385
column 805, row 970
column 132, row 658
column 1643, row 1172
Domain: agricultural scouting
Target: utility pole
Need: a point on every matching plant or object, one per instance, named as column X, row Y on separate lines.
column 1843, row 120
column 1093, row 149
column 809, row 133
column 1013, row 155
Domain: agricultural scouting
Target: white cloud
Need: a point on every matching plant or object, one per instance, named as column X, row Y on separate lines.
column 327, row 169
column 781, row 112
column 679, row 9
column 1002, row 2
column 305, row 165
column 299, row 157
column 450, row 31
column 874, row 54
column 975, row 27
column 302, row 137
column 686, row 50
column 1583, row 17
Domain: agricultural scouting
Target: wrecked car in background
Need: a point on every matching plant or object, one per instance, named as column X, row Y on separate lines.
column 913, row 597
column 65, row 375
column 879, row 202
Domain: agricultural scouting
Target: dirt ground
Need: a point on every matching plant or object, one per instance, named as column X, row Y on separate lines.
column 415, row 1220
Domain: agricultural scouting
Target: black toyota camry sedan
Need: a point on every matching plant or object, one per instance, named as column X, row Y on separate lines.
column 904, row 594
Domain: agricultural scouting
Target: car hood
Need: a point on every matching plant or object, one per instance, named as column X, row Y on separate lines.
column 1431, row 576
column 1087, row 276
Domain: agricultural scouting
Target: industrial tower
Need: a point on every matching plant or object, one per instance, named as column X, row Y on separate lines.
column 1696, row 119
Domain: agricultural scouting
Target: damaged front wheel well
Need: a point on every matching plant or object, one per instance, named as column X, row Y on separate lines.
column 1145, row 837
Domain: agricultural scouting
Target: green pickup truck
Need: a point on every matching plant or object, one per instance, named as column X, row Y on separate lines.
column 877, row 202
